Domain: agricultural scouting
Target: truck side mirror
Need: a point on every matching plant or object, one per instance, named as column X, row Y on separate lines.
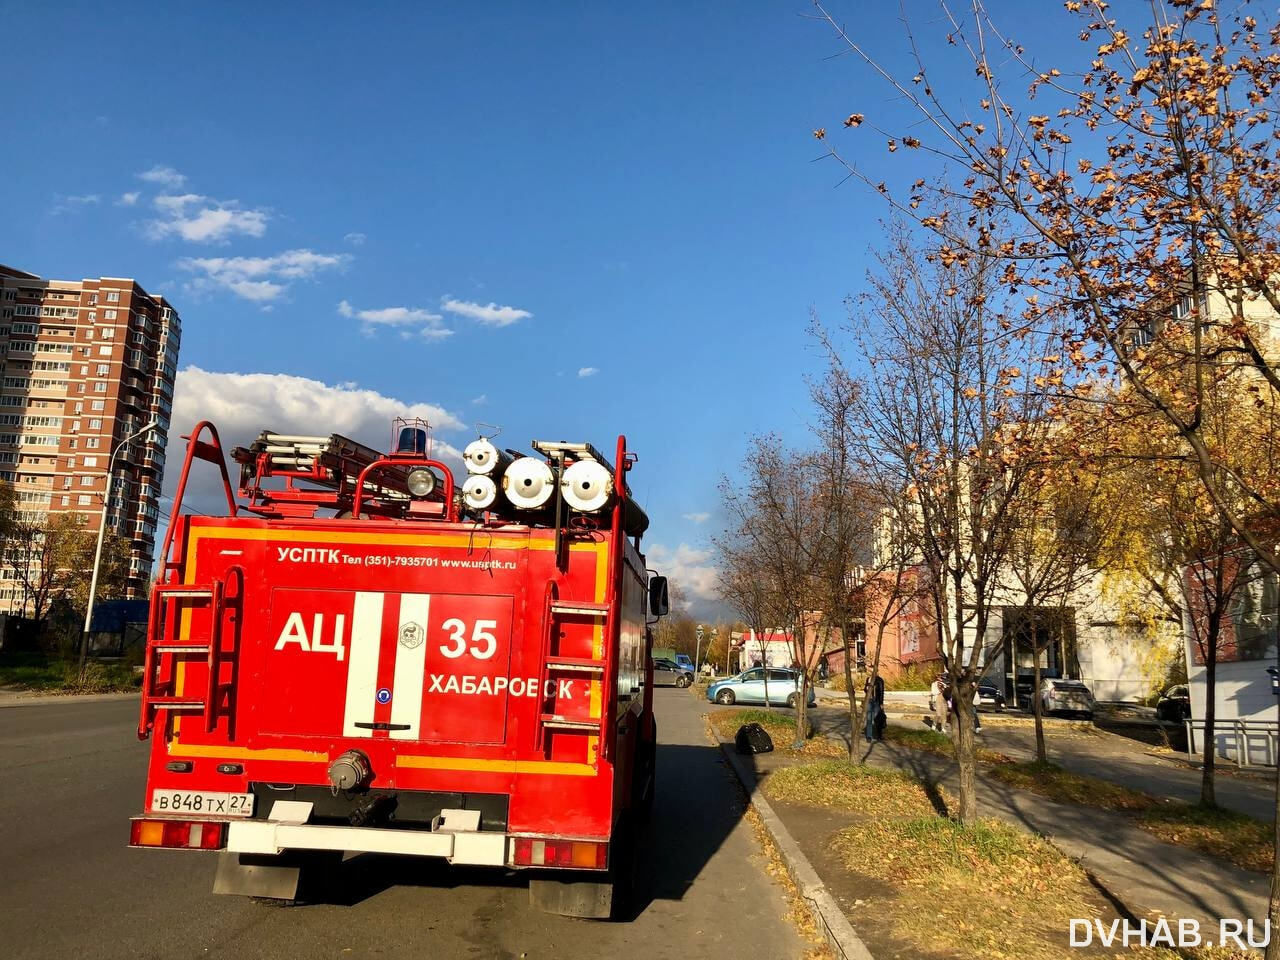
column 659, row 603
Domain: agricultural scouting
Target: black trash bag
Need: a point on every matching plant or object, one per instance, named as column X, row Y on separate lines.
column 880, row 722
column 753, row 738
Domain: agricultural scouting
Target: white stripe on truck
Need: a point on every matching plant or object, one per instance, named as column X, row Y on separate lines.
column 362, row 664
column 411, row 665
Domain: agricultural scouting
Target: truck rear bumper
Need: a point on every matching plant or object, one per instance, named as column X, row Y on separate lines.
column 287, row 829
column 465, row 847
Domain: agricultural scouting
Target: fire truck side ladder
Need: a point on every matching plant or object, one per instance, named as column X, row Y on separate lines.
column 554, row 612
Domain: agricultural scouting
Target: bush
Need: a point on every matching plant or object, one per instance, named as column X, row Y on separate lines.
column 911, row 677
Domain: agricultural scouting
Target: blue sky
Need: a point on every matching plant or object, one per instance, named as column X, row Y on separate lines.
column 341, row 199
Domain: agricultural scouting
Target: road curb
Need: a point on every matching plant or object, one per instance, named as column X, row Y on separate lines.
column 35, row 699
column 835, row 926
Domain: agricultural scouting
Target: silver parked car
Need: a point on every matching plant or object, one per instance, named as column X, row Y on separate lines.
column 1066, row 696
column 668, row 672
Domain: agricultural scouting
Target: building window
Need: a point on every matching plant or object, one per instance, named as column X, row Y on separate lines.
column 92, row 443
column 113, row 296
column 66, row 501
column 86, row 481
column 107, row 333
column 95, row 424
column 90, row 461
column 84, row 500
column 108, row 314
column 98, row 405
column 100, row 387
column 105, row 350
column 103, row 369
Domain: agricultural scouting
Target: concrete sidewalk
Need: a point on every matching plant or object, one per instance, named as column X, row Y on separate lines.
column 1092, row 752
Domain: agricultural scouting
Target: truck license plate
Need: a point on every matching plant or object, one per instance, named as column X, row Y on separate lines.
column 202, row 803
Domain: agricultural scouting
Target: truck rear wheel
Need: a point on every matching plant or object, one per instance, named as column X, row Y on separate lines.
column 610, row 896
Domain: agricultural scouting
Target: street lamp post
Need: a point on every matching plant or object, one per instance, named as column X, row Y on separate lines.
column 102, row 529
column 697, row 651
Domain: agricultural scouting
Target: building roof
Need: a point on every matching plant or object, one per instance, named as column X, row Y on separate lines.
column 16, row 273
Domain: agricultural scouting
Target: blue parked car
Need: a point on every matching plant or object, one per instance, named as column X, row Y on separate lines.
column 749, row 687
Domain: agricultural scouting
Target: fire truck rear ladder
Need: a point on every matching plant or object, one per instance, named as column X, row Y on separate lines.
column 163, row 594
column 555, row 610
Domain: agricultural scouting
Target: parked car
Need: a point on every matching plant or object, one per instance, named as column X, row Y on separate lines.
column 669, row 673
column 684, row 660
column 1066, row 696
column 749, row 687
column 1174, row 705
column 989, row 695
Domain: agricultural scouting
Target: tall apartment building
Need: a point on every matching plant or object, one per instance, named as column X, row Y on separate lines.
column 86, row 363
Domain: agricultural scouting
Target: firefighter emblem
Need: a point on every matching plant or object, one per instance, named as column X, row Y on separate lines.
column 411, row 635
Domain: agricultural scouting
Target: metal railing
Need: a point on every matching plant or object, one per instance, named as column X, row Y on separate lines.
column 1244, row 736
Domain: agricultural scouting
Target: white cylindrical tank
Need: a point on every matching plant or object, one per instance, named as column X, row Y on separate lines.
column 483, row 458
column 479, row 492
column 528, row 483
column 587, row 486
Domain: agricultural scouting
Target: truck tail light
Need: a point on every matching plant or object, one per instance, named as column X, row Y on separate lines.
column 179, row 834
column 582, row 854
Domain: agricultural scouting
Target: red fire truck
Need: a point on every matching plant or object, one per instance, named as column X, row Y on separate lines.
column 353, row 660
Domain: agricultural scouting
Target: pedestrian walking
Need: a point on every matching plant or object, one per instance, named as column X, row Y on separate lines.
column 874, row 710
column 940, row 698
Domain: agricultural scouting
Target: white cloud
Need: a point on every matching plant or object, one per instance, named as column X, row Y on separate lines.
column 697, row 517
column 480, row 401
column 209, row 224
column 259, row 279
column 175, row 204
column 688, row 568
column 355, row 239
column 66, row 204
column 490, row 314
column 164, row 176
column 588, row 371
column 128, row 199
column 242, row 405
column 410, row 321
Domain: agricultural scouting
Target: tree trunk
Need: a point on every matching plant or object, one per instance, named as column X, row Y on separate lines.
column 962, row 692
column 1037, row 708
column 1208, row 797
column 851, row 692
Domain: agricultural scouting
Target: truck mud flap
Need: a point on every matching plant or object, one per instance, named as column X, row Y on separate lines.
column 294, row 877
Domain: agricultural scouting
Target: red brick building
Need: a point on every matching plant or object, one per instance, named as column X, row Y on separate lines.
column 86, row 363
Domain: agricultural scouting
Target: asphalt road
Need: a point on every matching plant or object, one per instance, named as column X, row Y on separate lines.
column 70, row 888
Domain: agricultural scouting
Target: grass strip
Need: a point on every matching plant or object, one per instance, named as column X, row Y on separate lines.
column 780, row 724
column 875, row 791
column 62, row 676
column 988, row 890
